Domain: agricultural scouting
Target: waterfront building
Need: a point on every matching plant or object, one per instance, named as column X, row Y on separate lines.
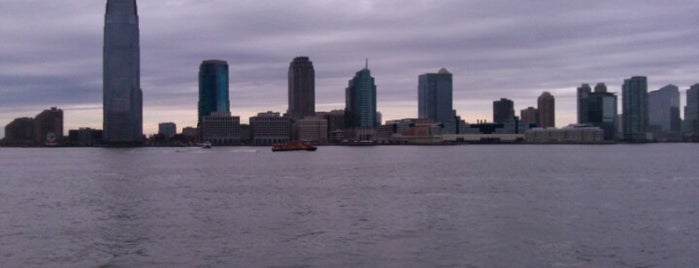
column 302, row 96
column 664, row 111
column 122, row 95
column 270, row 128
column 190, row 132
column 503, row 110
column 360, row 100
column 602, row 111
column 576, row 134
column 691, row 112
column 213, row 88
column 311, row 129
column 547, row 110
column 167, row 130
column 583, row 92
column 220, row 129
column 635, row 109
column 435, row 99
column 84, row 137
column 529, row 116
column 48, row 127
column 336, row 124
column 19, row 132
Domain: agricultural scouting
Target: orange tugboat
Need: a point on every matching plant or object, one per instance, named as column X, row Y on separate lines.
column 294, row 146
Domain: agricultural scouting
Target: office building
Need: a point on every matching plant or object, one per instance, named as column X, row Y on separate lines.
column 48, row 127
column 302, row 98
column 547, row 110
column 270, row 128
column 583, row 91
column 664, row 110
column 213, row 88
column 122, row 95
column 360, row 101
column 311, row 129
column 167, row 130
column 691, row 112
column 435, row 99
column 220, row 129
column 529, row 116
column 601, row 108
column 503, row 110
column 19, row 132
column 635, row 109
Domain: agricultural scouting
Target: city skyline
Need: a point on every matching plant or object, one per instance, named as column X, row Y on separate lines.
column 67, row 74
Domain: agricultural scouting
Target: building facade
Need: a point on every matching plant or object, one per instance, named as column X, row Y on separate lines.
column 635, row 109
column 503, row 110
column 270, row 128
column 213, row 88
column 220, row 129
column 664, row 110
column 311, row 129
column 167, row 130
column 302, row 98
column 19, row 132
column 48, row 127
column 529, row 116
column 122, row 95
column 360, row 101
column 435, row 99
column 547, row 110
column 583, row 92
column 602, row 112
column 690, row 125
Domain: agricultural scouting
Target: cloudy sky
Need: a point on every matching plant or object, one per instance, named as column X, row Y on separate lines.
column 51, row 52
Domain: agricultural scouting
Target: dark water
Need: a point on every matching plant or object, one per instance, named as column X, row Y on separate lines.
column 464, row 206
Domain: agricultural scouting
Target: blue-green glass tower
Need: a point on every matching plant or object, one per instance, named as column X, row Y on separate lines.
column 635, row 108
column 360, row 101
column 213, row 88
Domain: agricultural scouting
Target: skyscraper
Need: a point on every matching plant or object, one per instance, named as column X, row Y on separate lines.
column 664, row 109
column 503, row 110
column 213, row 88
column 635, row 108
column 122, row 95
column 435, row 95
column 360, row 100
column 302, row 98
column 691, row 111
column 601, row 107
column 529, row 116
column 547, row 110
column 583, row 91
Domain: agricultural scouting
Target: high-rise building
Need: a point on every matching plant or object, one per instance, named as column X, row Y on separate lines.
column 583, row 91
column 122, row 95
column 213, row 88
column 20, row 132
column 635, row 108
column 168, row 129
column 600, row 88
column 435, row 99
column 691, row 112
column 547, row 110
column 360, row 100
column 529, row 116
column 48, row 127
column 302, row 97
column 664, row 110
column 503, row 110
column 601, row 107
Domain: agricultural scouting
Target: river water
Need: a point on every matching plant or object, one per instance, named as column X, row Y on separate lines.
column 395, row 206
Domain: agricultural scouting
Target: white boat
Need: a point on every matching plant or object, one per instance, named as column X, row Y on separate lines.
column 206, row 145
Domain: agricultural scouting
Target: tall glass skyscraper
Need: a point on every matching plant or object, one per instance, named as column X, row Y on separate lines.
column 635, row 108
column 302, row 89
column 360, row 101
column 691, row 111
column 213, row 88
column 122, row 95
column 583, row 91
column 435, row 99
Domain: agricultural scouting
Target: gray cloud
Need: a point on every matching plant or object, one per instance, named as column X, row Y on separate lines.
column 50, row 54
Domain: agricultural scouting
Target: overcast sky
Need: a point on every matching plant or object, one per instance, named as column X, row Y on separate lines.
column 51, row 52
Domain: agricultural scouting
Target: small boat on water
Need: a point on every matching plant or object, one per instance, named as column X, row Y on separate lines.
column 294, row 146
column 206, row 145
